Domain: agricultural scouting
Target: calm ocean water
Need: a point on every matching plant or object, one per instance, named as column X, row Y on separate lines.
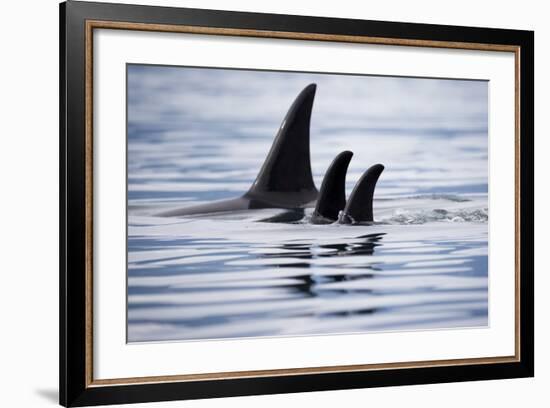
column 196, row 135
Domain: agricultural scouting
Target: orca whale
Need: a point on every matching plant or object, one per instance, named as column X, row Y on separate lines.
column 285, row 179
column 332, row 206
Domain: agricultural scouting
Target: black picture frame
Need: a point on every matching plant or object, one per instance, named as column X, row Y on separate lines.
column 76, row 387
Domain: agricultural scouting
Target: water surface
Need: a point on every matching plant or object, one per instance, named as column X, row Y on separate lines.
column 196, row 135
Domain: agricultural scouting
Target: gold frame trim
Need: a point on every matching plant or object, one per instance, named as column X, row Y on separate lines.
column 99, row 24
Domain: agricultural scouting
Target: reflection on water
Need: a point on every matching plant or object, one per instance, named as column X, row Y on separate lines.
column 336, row 282
column 422, row 265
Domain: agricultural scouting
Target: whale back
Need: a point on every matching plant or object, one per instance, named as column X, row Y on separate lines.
column 359, row 206
column 285, row 178
column 332, row 197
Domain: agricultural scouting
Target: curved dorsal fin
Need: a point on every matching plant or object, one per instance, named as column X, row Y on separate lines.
column 359, row 205
column 285, row 177
column 332, row 197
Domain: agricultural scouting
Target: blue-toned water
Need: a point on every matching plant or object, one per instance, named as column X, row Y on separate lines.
column 196, row 135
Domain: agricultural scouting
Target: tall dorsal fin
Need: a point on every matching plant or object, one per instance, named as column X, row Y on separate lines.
column 332, row 197
column 359, row 205
column 285, row 177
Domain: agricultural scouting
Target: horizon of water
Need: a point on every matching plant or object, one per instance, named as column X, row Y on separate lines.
column 197, row 135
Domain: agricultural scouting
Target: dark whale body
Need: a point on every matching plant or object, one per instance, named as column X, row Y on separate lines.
column 285, row 179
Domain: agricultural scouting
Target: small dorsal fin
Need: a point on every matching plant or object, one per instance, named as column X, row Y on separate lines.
column 285, row 177
column 359, row 205
column 332, row 196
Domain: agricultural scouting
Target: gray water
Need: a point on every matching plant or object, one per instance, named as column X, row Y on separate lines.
column 197, row 135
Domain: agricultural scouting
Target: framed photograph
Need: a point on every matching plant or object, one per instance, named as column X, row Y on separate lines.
column 256, row 203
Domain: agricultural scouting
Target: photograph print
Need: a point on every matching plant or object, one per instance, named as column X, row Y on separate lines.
column 275, row 203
